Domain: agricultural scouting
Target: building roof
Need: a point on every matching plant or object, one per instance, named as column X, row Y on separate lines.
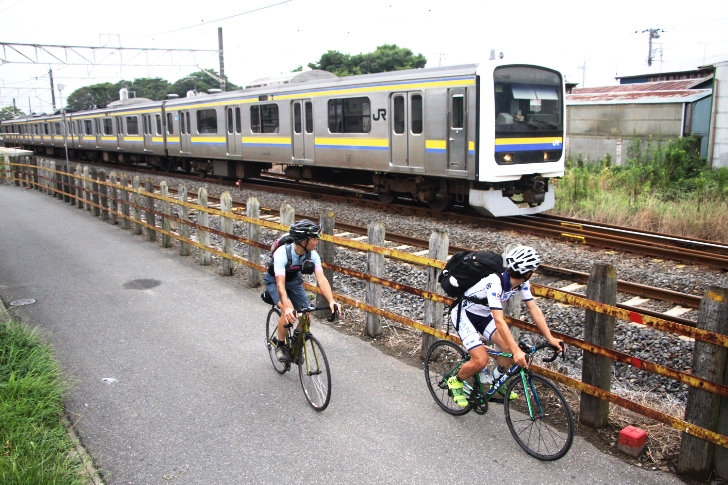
column 635, row 96
column 645, row 87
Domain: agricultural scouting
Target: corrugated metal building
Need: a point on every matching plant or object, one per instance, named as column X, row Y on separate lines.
column 603, row 120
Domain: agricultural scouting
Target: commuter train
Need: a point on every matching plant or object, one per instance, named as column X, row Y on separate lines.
column 489, row 135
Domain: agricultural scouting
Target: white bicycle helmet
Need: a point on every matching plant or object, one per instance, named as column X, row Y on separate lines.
column 523, row 259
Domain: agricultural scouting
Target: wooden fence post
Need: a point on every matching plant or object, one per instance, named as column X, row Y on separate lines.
column 375, row 267
column 439, row 244
column 66, row 184
column 103, row 192
column 327, row 251
column 80, row 194
column 137, row 201
column 703, row 408
column 124, row 183
column 34, row 171
column 599, row 330
column 203, row 219
column 71, row 185
column 87, row 189
column 288, row 215
column 58, row 176
column 252, row 208
column 95, row 210
column 166, row 223
column 184, row 230
column 226, row 206
column 151, row 218
column 113, row 198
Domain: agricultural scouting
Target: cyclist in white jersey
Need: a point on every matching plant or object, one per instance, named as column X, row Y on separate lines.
column 488, row 320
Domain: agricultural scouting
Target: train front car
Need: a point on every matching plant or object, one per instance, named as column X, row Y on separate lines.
column 521, row 143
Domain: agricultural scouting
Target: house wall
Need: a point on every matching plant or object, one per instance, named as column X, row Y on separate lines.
column 720, row 142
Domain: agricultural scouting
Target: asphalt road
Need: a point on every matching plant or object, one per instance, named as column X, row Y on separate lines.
column 173, row 384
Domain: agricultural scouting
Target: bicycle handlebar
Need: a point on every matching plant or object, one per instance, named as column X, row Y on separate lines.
column 528, row 349
column 313, row 308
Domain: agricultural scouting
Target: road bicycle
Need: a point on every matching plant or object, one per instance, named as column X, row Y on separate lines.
column 306, row 352
column 539, row 419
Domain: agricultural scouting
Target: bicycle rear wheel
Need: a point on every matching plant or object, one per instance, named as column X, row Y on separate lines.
column 271, row 337
column 443, row 360
column 314, row 373
column 549, row 434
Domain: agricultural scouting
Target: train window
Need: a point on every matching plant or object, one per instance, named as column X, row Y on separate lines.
column 87, row 126
column 457, row 118
column 189, row 125
column 349, row 115
column 230, row 126
column 132, row 125
column 237, row 121
column 108, row 126
column 309, row 117
column 159, row 124
column 269, row 118
column 57, row 127
column 416, row 116
column 69, row 128
column 255, row 119
column 182, row 123
column 119, row 131
column 45, row 129
column 170, row 124
column 297, row 117
column 399, row 114
column 145, row 124
column 206, row 121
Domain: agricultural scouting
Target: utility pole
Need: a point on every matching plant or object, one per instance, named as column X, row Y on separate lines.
column 222, row 60
column 583, row 73
column 440, row 54
column 654, row 34
column 53, row 94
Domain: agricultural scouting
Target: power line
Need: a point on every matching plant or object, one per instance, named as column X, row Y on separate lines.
column 210, row 21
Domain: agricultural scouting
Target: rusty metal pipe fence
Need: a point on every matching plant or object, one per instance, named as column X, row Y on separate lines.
column 58, row 180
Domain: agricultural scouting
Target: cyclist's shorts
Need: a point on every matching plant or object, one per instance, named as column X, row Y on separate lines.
column 294, row 289
column 470, row 328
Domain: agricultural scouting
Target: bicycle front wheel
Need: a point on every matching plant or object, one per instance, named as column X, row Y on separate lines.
column 442, row 361
column 540, row 418
column 313, row 370
column 271, row 337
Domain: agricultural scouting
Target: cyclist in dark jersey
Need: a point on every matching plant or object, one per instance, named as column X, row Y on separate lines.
column 284, row 282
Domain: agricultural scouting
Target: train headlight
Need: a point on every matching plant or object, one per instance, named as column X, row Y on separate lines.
column 507, row 158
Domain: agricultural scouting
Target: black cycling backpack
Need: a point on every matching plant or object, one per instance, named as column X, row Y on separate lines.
column 466, row 268
column 307, row 266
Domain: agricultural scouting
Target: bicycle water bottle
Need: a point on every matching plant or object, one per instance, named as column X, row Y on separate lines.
column 485, row 377
column 498, row 372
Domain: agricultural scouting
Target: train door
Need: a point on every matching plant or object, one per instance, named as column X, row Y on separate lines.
column 147, row 126
column 119, row 133
column 184, row 131
column 457, row 143
column 234, row 132
column 302, row 130
column 407, row 138
column 97, row 131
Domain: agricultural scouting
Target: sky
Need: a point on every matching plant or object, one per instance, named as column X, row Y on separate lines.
column 589, row 42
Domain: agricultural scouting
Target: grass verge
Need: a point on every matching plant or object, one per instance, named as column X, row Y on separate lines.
column 35, row 447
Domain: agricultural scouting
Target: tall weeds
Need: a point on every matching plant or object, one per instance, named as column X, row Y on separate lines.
column 664, row 188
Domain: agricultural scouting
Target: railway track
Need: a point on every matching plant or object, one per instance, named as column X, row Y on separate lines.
column 662, row 246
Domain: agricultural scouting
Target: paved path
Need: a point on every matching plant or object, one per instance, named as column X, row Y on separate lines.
column 194, row 399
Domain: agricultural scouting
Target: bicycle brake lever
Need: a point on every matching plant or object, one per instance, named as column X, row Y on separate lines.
column 334, row 313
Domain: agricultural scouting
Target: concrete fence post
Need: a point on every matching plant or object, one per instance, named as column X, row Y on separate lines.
column 34, row 171
column 66, row 183
column 288, row 215
column 327, row 251
column 137, row 201
column 124, row 196
column 375, row 267
column 252, row 210
column 184, row 230
column 151, row 219
column 113, row 198
column 203, row 220
column 72, row 185
column 703, row 408
column 598, row 330
column 58, row 176
column 51, row 183
column 226, row 207
column 439, row 245
column 166, row 210
column 103, row 193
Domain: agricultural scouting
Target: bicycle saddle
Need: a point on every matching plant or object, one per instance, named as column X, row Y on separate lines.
column 267, row 298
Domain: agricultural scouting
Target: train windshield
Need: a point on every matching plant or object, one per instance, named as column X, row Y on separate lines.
column 528, row 100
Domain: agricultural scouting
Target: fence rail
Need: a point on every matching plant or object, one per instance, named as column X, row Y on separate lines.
column 103, row 199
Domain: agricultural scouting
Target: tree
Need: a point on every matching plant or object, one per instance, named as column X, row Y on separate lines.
column 386, row 57
column 152, row 88
column 9, row 112
column 92, row 96
column 199, row 81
